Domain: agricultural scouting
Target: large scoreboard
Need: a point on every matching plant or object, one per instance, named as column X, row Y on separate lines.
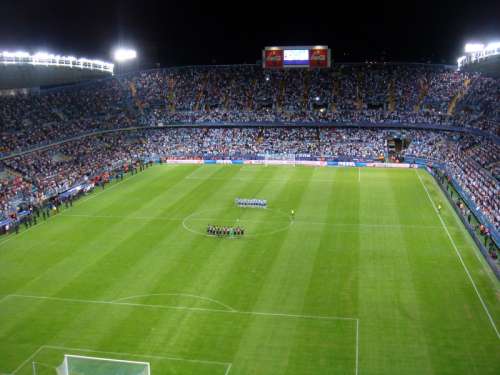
column 296, row 57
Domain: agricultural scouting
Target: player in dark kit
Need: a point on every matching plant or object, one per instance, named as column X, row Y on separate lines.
column 213, row 230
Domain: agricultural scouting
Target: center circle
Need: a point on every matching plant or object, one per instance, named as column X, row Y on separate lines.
column 255, row 221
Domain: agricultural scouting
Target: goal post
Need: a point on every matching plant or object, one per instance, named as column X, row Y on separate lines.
column 279, row 159
column 83, row 365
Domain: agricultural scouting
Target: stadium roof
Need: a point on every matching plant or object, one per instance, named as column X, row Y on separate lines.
column 22, row 70
column 489, row 66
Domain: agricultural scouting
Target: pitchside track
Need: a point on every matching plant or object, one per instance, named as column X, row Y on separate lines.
column 366, row 279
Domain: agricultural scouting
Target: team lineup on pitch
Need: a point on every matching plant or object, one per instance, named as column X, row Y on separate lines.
column 336, row 272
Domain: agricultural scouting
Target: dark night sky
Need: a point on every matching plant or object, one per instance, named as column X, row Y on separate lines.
column 204, row 32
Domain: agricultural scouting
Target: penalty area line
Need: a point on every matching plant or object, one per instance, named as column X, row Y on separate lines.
column 227, row 365
column 452, row 241
column 185, row 308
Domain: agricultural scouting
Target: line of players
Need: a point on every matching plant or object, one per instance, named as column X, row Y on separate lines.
column 214, row 230
column 259, row 203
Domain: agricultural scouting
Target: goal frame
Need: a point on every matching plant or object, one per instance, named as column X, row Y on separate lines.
column 67, row 356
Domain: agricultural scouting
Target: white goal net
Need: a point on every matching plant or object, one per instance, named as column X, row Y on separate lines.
column 81, row 365
column 279, row 159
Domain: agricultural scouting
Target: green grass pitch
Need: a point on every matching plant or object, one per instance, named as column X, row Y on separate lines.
column 366, row 279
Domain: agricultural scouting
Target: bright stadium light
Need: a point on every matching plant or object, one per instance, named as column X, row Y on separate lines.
column 42, row 55
column 48, row 59
column 124, row 54
column 493, row 45
column 473, row 47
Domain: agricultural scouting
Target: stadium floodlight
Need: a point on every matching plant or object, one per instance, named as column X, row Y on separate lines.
column 47, row 59
column 473, row 47
column 493, row 46
column 124, row 54
column 42, row 55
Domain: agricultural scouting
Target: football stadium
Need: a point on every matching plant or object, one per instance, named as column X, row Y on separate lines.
column 294, row 216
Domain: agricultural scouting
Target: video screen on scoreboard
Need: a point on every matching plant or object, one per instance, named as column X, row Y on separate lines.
column 296, row 57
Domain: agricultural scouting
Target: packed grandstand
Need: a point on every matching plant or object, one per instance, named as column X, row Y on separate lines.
column 58, row 138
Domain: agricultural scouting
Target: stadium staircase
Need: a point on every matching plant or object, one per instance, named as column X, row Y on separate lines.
column 305, row 98
column 423, row 90
column 171, row 94
column 133, row 92
column 281, row 95
column 458, row 96
column 250, row 102
column 335, row 95
column 199, row 95
column 260, row 136
column 226, row 95
column 391, row 95
column 359, row 97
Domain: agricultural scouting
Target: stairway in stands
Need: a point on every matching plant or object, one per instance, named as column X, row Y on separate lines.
column 335, row 95
column 305, row 97
column 281, row 95
column 250, row 102
column 423, row 90
column 200, row 93
column 458, row 96
column 260, row 136
column 171, row 94
column 391, row 95
column 359, row 95
column 225, row 100
column 135, row 98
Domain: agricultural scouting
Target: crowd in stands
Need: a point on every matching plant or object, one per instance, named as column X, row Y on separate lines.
column 348, row 93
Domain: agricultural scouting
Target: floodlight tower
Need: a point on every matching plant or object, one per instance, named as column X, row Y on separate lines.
column 123, row 57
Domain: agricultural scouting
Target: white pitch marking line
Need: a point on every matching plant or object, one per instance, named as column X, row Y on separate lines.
column 357, row 346
column 202, row 309
column 460, row 258
column 486, row 267
column 296, row 221
column 27, row 360
column 228, row 369
column 176, row 294
column 54, row 347
column 64, row 348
